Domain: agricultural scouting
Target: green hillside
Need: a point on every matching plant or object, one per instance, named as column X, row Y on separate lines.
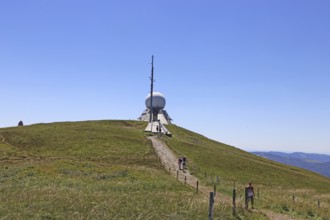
column 234, row 164
column 109, row 170
column 281, row 188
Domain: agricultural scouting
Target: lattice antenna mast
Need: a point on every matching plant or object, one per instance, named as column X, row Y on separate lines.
column 151, row 113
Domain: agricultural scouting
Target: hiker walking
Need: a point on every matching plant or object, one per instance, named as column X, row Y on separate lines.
column 249, row 195
column 159, row 127
column 180, row 163
column 184, row 162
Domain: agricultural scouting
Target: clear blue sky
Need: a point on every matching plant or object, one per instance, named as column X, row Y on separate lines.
column 252, row 74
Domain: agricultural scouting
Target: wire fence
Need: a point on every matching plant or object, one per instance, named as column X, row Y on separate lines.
column 220, row 191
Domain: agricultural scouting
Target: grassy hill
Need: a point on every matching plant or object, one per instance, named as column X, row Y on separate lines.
column 234, row 164
column 109, row 170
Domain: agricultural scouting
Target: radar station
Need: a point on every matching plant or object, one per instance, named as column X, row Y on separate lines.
column 155, row 113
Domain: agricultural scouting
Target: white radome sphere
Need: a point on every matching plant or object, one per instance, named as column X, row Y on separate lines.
column 158, row 100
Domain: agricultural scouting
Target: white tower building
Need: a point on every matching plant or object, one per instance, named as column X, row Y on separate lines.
column 155, row 113
column 159, row 115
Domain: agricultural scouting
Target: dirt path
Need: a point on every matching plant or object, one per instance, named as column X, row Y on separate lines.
column 170, row 162
column 276, row 216
column 3, row 139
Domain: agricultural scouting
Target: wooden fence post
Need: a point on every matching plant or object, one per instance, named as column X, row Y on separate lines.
column 215, row 190
column 211, row 204
column 197, row 187
column 169, row 170
column 185, row 180
column 234, row 201
column 177, row 174
column 293, row 198
column 246, row 197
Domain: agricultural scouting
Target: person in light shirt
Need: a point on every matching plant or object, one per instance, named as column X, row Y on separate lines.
column 249, row 195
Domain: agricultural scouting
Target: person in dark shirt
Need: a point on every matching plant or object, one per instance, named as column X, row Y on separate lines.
column 184, row 162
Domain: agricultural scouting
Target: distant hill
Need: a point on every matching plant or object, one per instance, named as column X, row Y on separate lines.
column 319, row 163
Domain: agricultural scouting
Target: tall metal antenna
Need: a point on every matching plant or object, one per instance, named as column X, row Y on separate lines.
column 151, row 89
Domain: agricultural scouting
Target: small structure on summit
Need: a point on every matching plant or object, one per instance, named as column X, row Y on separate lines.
column 155, row 113
column 159, row 114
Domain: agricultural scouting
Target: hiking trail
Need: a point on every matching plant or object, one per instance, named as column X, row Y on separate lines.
column 170, row 162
